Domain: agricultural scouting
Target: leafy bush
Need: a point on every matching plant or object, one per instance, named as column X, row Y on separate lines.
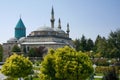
column 65, row 64
column 17, row 66
column 9, row 78
column 111, row 74
column 101, row 61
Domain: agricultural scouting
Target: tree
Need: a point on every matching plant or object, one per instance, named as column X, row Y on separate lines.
column 101, row 46
column 16, row 49
column 48, row 67
column 32, row 52
column 83, row 44
column 40, row 51
column 1, row 52
column 65, row 64
column 90, row 45
column 111, row 74
column 77, row 44
column 96, row 42
column 37, row 52
column 17, row 66
column 114, row 44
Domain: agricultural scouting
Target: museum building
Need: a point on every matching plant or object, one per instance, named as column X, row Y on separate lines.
column 49, row 37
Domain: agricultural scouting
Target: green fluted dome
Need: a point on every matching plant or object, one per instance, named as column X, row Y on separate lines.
column 20, row 30
column 20, row 24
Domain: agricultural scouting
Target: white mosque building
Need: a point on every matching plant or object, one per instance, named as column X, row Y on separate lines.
column 49, row 37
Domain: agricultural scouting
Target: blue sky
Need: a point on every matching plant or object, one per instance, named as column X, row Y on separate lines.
column 85, row 17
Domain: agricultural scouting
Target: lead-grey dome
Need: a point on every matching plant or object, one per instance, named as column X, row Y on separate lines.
column 12, row 40
column 22, row 39
column 59, row 30
column 45, row 28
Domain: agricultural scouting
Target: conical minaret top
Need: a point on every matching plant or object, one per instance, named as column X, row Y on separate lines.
column 52, row 18
column 59, row 24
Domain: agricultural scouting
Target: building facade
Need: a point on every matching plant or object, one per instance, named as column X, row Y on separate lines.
column 49, row 37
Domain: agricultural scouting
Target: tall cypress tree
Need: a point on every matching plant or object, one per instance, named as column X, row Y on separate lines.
column 90, row 45
column 83, row 43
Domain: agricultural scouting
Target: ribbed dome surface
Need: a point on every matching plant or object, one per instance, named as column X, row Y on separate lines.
column 45, row 28
column 22, row 39
column 59, row 30
column 12, row 40
column 20, row 24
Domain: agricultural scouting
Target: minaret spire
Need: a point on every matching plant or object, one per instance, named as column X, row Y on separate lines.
column 59, row 23
column 68, row 30
column 52, row 18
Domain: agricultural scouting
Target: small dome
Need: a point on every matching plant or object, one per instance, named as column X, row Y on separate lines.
column 45, row 28
column 12, row 40
column 59, row 30
column 22, row 39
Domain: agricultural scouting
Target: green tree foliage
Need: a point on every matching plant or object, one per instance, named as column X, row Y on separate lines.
column 37, row 52
column 16, row 49
column 114, row 44
column 48, row 67
column 1, row 52
column 65, row 64
column 84, row 44
column 32, row 52
column 110, row 47
column 77, row 44
column 111, row 75
column 90, row 45
column 17, row 66
column 101, row 46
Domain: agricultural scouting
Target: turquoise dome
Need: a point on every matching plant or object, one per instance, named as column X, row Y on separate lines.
column 20, row 24
column 20, row 30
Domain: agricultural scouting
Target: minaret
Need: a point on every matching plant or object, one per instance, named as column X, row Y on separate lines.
column 52, row 18
column 20, row 29
column 68, row 30
column 59, row 24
